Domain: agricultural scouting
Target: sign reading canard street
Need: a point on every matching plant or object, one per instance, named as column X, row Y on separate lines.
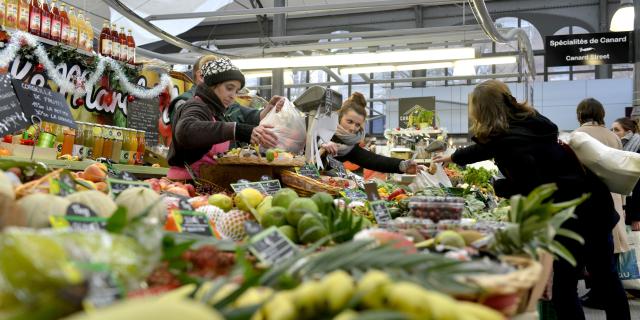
column 588, row 49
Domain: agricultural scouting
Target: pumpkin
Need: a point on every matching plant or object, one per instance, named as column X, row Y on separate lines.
column 97, row 201
column 6, row 187
column 38, row 207
column 138, row 199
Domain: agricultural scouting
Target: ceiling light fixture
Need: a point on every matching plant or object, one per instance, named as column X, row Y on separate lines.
column 622, row 19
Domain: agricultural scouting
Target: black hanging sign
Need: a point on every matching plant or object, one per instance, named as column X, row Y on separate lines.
column 12, row 118
column 143, row 114
column 588, row 49
column 271, row 246
column 378, row 206
column 337, row 166
column 309, row 170
column 119, row 185
column 48, row 105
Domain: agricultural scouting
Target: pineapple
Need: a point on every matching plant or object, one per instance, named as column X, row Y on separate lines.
column 231, row 224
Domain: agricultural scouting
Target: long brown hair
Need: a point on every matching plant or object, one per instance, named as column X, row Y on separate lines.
column 628, row 124
column 492, row 107
column 356, row 102
column 590, row 109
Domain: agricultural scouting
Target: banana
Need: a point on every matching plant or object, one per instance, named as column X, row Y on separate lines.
column 280, row 307
column 306, row 298
column 253, row 296
column 177, row 294
column 346, row 315
column 410, row 299
column 223, row 292
column 479, row 311
column 338, row 288
column 372, row 287
column 442, row 306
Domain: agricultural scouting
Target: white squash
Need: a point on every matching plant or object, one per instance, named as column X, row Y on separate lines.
column 138, row 199
column 6, row 187
column 38, row 207
column 99, row 202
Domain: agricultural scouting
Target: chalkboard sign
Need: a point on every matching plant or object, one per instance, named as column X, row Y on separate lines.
column 12, row 118
column 119, row 185
column 192, row 222
column 80, row 210
column 380, row 210
column 337, row 166
column 78, row 223
column 354, row 194
column 103, row 287
column 309, row 170
column 124, row 175
column 143, row 114
column 272, row 246
column 269, row 187
column 48, row 105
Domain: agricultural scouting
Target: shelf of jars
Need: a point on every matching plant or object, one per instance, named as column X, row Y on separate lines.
column 81, row 165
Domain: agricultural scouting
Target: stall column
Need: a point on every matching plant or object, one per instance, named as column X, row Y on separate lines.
column 279, row 30
column 636, row 66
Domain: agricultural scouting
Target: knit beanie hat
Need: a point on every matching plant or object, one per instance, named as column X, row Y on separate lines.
column 221, row 70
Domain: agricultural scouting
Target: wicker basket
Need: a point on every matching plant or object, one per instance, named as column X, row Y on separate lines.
column 515, row 286
column 305, row 186
column 295, row 162
column 40, row 185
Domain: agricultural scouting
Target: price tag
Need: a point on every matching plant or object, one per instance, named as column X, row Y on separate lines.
column 271, row 246
column 192, row 222
column 78, row 223
column 119, row 185
column 80, row 210
column 337, row 166
column 103, row 287
column 269, row 187
column 124, row 175
column 380, row 210
column 309, row 170
column 354, row 194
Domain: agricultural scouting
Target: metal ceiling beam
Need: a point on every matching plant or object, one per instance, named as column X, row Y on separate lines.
column 129, row 14
column 310, row 8
column 333, row 74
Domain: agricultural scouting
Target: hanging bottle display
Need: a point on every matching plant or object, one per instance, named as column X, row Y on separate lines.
column 3, row 12
column 82, row 31
column 89, row 30
column 45, row 27
column 131, row 55
column 105, row 40
column 73, row 28
column 23, row 15
column 124, row 50
column 11, row 15
column 35, row 17
column 115, row 42
column 64, row 21
column 56, row 23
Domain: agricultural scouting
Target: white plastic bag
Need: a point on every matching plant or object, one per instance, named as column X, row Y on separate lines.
column 628, row 268
column 618, row 169
column 289, row 126
column 425, row 180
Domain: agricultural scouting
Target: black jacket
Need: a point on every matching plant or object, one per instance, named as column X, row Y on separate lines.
column 194, row 132
column 372, row 161
column 529, row 155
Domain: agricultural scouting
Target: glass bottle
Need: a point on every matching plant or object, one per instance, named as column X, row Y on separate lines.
column 58, row 130
column 23, row 15
column 133, row 146
column 124, row 50
column 105, row 40
column 141, row 147
column 73, row 27
column 35, row 17
column 56, row 23
column 78, row 142
column 82, row 31
column 107, row 146
column 117, row 145
column 68, row 141
column 3, row 12
column 64, row 22
column 88, row 141
column 98, row 141
column 131, row 44
column 89, row 30
column 115, row 42
column 45, row 28
column 11, row 16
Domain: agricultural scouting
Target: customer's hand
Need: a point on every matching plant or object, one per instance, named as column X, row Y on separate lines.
column 441, row 159
column 277, row 102
column 330, row 147
column 411, row 167
column 635, row 226
column 263, row 135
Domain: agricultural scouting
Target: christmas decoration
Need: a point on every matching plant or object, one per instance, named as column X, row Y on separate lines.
column 39, row 67
column 131, row 98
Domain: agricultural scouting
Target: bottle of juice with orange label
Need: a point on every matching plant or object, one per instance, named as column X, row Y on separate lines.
column 64, row 22
column 73, row 28
column 23, row 15
column 11, row 16
column 133, row 146
column 3, row 12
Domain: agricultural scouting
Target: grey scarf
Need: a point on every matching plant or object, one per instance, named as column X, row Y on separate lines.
column 347, row 140
column 631, row 142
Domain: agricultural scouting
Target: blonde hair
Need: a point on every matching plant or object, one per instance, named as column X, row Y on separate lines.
column 356, row 102
column 200, row 62
column 492, row 107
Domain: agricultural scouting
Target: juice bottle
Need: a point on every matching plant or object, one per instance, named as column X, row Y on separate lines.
column 78, row 143
column 133, row 146
column 82, row 31
column 107, row 146
column 98, row 142
column 3, row 12
column 124, row 50
column 88, row 141
column 115, row 42
column 68, row 140
column 56, row 23
column 131, row 44
column 89, row 30
column 105, row 40
column 117, row 145
column 141, row 147
column 23, row 15
column 11, row 16
column 35, row 17
column 59, row 132
column 73, row 27
column 64, row 22
column 45, row 28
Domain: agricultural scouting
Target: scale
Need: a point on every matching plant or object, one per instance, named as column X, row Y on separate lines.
column 318, row 103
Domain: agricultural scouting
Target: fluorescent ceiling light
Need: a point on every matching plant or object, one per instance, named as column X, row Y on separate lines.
column 463, row 69
column 257, row 74
column 391, row 68
column 355, row 59
column 622, row 19
column 489, row 61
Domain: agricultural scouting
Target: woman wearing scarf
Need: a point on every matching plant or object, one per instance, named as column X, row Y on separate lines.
column 344, row 145
column 627, row 130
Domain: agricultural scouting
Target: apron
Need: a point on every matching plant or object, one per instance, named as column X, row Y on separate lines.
column 181, row 173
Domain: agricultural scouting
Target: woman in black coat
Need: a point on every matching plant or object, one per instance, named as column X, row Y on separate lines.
column 524, row 145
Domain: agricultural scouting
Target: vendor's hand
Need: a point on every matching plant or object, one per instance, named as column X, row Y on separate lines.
column 264, row 136
column 276, row 101
column 635, row 226
column 330, row 147
column 411, row 167
column 441, row 159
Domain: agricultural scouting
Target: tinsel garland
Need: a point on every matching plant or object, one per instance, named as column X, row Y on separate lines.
column 20, row 38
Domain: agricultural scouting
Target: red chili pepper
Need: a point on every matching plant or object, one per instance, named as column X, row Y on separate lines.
column 396, row 193
column 8, row 138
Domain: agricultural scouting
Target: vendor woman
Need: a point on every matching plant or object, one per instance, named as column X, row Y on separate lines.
column 200, row 128
column 344, row 145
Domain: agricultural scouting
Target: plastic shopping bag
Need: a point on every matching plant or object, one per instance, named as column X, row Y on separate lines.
column 628, row 268
column 619, row 170
column 425, row 180
column 289, row 126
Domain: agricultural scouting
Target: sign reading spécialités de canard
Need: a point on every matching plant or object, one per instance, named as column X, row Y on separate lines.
column 588, row 49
